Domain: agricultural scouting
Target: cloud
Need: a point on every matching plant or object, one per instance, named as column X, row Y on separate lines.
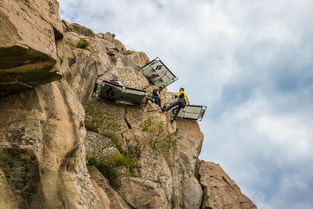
column 267, row 154
column 250, row 62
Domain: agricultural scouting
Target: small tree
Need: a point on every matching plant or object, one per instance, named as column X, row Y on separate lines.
column 158, row 136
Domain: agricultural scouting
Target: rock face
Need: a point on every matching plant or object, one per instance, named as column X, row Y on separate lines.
column 43, row 137
column 29, row 31
column 219, row 190
column 42, row 149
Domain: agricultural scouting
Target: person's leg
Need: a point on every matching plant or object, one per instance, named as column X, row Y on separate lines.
column 176, row 113
column 157, row 101
column 181, row 104
column 171, row 106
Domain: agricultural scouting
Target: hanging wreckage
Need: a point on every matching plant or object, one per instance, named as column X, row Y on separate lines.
column 191, row 112
column 155, row 71
column 158, row 73
column 115, row 91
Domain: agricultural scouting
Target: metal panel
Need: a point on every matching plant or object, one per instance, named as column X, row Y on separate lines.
column 111, row 91
column 158, row 73
column 114, row 91
column 137, row 96
column 192, row 112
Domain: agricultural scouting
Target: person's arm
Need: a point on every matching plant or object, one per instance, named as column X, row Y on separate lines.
column 187, row 101
column 178, row 95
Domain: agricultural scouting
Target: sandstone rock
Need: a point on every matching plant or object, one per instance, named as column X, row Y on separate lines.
column 42, row 152
column 99, row 145
column 79, row 67
column 114, row 199
column 115, row 44
column 219, row 190
column 76, row 28
column 105, row 60
column 143, row 194
column 7, row 199
column 166, row 179
column 29, row 31
column 114, row 64
column 182, row 159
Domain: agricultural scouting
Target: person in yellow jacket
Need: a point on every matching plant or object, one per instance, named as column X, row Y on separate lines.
column 180, row 103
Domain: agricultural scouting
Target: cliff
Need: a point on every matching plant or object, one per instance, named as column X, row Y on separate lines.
column 63, row 147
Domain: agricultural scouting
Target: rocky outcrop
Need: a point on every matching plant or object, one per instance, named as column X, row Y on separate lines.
column 219, row 190
column 104, row 60
column 78, row 29
column 42, row 150
column 112, row 199
column 7, row 199
column 166, row 178
column 182, row 160
column 43, row 137
column 29, row 31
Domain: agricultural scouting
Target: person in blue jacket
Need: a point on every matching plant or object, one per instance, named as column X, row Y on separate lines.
column 155, row 95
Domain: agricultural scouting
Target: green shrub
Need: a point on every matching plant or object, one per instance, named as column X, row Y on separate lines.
column 159, row 138
column 102, row 122
column 115, row 139
column 83, row 44
column 128, row 52
column 106, row 167
column 124, row 160
column 71, row 43
column 113, row 167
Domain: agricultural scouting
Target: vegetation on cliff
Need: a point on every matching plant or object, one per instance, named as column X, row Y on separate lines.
column 159, row 138
column 113, row 167
column 83, row 44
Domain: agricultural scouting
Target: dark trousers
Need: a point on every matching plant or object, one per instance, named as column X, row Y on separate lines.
column 157, row 100
column 181, row 103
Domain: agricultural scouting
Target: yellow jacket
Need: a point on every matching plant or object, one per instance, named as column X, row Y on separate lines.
column 182, row 94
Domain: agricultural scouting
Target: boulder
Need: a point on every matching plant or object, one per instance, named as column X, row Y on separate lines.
column 220, row 191
column 79, row 66
column 114, row 200
column 182, row 160
column 78, row 29
column 29, row 31
column 99, row 145
column 42, row 149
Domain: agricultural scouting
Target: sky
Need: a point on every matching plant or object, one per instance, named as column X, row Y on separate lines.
column 250, row 62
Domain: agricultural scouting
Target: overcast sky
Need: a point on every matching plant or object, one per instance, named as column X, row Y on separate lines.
column 250, row 62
